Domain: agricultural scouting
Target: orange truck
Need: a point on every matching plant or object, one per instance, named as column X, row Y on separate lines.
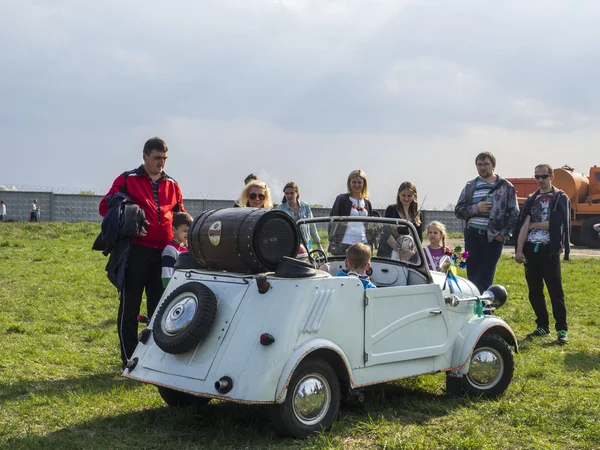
column 584, row 193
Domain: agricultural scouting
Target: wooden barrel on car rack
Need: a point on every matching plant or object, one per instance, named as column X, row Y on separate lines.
column 244, row 240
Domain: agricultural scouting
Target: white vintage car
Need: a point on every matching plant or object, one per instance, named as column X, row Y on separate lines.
column 242, row 321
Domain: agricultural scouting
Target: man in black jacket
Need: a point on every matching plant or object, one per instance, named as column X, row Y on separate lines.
column 543, row 232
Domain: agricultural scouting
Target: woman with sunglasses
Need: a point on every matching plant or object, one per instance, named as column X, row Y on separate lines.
column 406, row 207
column 353, row 203
column 256, row 194
column 297, row 209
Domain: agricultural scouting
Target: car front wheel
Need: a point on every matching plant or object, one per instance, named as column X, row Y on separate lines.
column 490, row 372
column 312, row 402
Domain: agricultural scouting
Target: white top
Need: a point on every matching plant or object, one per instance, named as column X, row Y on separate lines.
column 3, row 210
column 540, row 212
column 355, row 231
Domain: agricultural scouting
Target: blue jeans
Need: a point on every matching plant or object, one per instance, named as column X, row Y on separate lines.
column 483, row 257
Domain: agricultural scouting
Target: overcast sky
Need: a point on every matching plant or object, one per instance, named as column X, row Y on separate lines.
column 301, row 90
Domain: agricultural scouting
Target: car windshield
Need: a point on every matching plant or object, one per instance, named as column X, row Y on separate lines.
column 391, row 239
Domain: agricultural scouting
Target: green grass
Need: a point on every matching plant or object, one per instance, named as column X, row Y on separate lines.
column 60, row 385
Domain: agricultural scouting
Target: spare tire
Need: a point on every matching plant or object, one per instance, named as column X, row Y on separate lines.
column 184, row 318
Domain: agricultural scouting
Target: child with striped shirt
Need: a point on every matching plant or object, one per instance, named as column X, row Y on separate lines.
column 181, row 225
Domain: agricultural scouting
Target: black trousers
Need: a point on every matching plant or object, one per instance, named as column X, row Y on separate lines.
column 543, row 267
column 142, row 273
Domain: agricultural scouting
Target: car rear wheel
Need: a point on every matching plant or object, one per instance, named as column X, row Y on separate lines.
column 491, row 368
column 175, row 398
column 312, row 402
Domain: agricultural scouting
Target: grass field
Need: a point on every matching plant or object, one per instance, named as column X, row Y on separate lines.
column 60, row 385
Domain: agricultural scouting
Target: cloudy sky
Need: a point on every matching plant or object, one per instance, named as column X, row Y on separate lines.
column 302, row 90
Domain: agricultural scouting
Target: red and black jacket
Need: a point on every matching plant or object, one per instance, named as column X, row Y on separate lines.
column 138, row 187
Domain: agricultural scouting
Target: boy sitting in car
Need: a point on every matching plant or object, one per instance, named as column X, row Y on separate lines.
column 358, row 261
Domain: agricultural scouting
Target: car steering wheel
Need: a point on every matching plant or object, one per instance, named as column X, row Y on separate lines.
column 319, row 257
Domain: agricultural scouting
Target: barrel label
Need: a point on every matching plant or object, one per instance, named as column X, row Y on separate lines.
column 214, row 233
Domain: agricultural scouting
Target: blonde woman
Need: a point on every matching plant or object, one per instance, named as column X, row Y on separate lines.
column 256, row 194
column 354, row 203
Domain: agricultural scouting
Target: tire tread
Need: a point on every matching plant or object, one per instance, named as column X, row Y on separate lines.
column 460, row 386
column 282, row 416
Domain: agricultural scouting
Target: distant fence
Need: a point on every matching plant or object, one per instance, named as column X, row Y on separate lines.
column 84, row 208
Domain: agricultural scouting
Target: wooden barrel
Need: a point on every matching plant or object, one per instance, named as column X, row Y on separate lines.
column 243, row 240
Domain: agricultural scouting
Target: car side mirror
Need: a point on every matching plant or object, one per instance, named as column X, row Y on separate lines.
column 498, row 294
column 444, row 263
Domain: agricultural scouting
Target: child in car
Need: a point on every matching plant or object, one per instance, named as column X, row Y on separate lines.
column 181, row 225
column 358, row 261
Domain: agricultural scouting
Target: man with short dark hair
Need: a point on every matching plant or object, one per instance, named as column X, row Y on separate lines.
column 159, row 196
column 249, row 178
column 489, row 205
column 543, row 233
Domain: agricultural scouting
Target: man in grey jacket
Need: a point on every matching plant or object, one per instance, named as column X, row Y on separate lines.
column 489, row 206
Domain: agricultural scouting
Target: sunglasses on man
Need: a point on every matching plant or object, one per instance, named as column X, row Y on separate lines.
column 542, row 176
column 254, row 196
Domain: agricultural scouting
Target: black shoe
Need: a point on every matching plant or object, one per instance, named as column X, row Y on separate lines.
column 562, row 337
column 539, row 332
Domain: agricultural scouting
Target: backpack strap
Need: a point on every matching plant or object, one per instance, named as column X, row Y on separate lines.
column 469, row 193
column 499, row 184
column 430, row 258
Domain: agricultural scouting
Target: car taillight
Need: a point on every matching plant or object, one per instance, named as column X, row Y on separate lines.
column 266, row 339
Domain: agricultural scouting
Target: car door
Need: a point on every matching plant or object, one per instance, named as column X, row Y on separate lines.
column 404, row 323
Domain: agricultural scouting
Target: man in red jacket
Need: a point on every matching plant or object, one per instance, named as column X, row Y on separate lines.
column 159, row 196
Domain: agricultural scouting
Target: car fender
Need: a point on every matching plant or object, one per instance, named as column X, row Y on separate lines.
column 470, row 334
column 299, row 355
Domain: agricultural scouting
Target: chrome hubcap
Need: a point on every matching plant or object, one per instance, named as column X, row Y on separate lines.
column 180, row 314
column 487, row 367
column 311, row 399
